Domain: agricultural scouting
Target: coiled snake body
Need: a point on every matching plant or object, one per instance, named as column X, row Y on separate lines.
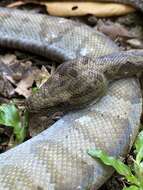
column 57, row 158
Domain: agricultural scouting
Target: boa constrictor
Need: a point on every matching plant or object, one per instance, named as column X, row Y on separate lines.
column 56, row 159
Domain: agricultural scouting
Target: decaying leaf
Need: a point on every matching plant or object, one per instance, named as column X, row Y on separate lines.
column 8, row 59
column 6, row 88
column 19, row 75
column 20, row 69
column 81, row 8
column 39, row 76
column 113, row 30
column 13, row 69
column 15, row 4
column 135, row 43
column 84, row 8
column 24, row 86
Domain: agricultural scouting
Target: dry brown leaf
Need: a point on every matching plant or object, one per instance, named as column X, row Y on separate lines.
column 82, row 8
column 114, row 30
column 135, row 43
column 8, row 59
column 5, row 71
column 39, row 76
column 23, row 87
column 15, row 4
column 12, row 69
column 42, row 77
column 6, row 88
column 20, row 68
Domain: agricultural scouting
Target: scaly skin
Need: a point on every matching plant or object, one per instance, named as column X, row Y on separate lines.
column 78, row 82
column 73, row 83
column 57, row 159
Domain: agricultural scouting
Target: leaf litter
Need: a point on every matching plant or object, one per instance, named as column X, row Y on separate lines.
column 18, row 77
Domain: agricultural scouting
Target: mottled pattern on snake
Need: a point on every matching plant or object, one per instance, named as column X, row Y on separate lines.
column 77, row 83
column 57, row 158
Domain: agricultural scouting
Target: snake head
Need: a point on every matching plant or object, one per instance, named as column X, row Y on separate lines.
column 74, row 85
column 54, row 95
column 48, row 99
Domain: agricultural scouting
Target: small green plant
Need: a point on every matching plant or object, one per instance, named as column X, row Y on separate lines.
column 35, row 89
column 9, row 116
column 133, row 175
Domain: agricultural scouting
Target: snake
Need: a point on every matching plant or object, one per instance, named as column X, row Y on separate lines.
column 100, row 112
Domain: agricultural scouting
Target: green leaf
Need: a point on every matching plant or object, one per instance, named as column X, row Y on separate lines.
column 9, row 116
column 139, row 147
column 138, row 168
column 119, row 166
column 35, row 89
column 133, row 187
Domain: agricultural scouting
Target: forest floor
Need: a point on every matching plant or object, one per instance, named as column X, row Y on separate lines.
column 126, row 31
